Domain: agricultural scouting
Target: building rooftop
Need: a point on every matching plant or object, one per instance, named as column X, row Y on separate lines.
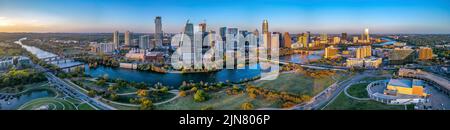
column 400, row 54
column 400, row 82
column 417, row 82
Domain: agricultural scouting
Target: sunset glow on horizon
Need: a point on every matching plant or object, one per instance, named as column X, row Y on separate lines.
column 328, row 16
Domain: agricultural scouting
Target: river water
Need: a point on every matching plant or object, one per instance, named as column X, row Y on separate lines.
column 176, row 79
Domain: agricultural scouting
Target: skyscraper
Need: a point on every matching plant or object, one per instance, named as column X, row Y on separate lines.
column 344, row 36
column 366, row 37
column 202, row 27
column 336, row 40
column 256, row 32
column 116, row 39
column 128, row 36
column 363, row 52
column 265, row 27
column 189, row 30
column 223, row 32
column 233, row 31
column 158, row 31
column 306, row 39
column 144, row 42
column 287, row 40
column 266, row 35
column 324, row 38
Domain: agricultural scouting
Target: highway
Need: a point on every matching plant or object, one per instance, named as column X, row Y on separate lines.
column 68, row 89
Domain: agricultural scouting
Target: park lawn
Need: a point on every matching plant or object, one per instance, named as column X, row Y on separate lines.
column 296, row 84
column 358, row 90
column 126, row 90
column 218, row 101
column 60, row 104
column 120, row 107
column 342, row 102
column 74, row 101
column 85, row 106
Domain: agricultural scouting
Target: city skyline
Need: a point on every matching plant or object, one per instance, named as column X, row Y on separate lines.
column 322, row 16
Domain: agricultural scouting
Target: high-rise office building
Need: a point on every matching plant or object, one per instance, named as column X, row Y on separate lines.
column 202, row 27
column 127, row 38
column 363, row 52
column 158, row 31
column 265, row 27
column 223, row 32
column 306, row 39
column 233, row 31
column 366, row 37
column 116, row 39
column 144, row 42
column 336, row 40
column 355, row 40
column 287, row 40
column 189, row 30
column 267, row 37
column 425, row 53
column 324, row 38
column 344, row 36
column 256, row 33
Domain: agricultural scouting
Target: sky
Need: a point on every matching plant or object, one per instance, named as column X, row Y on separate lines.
column 295, row 16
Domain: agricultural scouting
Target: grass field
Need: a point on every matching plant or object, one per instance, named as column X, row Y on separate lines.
column 343, row 102
column 296, row 84
column 218, row 101
column 85, row 106
column 48, row 104
column 358, row 90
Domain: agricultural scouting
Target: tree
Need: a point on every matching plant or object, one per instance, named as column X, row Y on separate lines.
column 182, row 93
column 91, row 93
column 193, row 89
column 247, row 106
column 305, row 98
column 114, row 96
column 252, row 95
column 101, row 82
column 164, row 90
column 200, row 96
column 146, row 104
column 142, row 93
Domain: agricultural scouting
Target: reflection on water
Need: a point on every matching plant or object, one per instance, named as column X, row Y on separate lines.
column 176, row 79
column 173, row 79
column 12, row 102
column 35, row 51
column 302, row 58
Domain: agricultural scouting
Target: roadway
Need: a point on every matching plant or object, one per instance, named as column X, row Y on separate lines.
column 69, row 90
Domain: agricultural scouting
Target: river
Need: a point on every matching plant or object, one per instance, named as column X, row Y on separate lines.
column 41, row 54
column 176, row 79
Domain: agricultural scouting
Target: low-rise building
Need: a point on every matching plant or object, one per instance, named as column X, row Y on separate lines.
column 14, row 61
column 331, row 52
column 400, row 56
column 406, row 87
column 364, row 62
column 6, row 62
